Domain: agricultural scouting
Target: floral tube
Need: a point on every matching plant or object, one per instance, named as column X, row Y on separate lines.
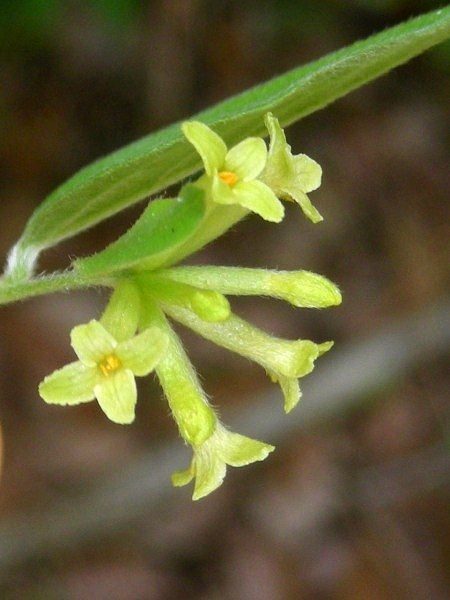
column 214, row 447
column 284, row 360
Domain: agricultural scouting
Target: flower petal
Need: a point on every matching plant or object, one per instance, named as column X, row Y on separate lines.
column 290, row 176
column 324, row 347
column 247, row 159
column 208, row 144
column 280, row 164
column 295, row 193
column 308, row 172
column 211, row 457
column 121, row 316
column 142, row 353
column 221, row 192
column 117, row 396
column 222, row 448
column 305, row 353
column 180, row 478
column 210, row 471
column 254, row 195
column 70, row 385
column 92, row 342
column 238, row 450
column 291, row 390
column 259, row 198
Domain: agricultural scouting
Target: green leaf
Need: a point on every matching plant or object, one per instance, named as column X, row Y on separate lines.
column 160, row 230
column 162, row 158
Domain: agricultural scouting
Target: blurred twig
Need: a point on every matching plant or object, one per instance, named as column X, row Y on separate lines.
column 337, row 385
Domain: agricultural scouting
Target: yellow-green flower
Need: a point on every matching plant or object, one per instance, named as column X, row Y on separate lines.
column 290, row 177
column 214, row 446
column 106, row 370
column 233, row 174
column 290, row 385
column 284, row 360
column 211, row 458
column 110, row 356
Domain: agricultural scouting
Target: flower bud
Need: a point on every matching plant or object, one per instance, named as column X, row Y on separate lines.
column 300, row 288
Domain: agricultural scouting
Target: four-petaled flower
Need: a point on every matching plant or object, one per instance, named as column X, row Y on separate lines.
column 211, row 458
column 289, row 176
column 232, row 175
column 106, row 370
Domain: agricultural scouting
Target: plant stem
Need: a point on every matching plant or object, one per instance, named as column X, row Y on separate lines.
column 12, row 290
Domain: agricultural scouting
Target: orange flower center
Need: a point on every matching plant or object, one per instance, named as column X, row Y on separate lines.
column 228, row 177
column 110, row 364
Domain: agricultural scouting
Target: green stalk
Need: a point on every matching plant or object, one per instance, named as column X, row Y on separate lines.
column 12, row 290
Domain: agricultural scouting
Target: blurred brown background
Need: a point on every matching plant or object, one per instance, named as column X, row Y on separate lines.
column 354, row 503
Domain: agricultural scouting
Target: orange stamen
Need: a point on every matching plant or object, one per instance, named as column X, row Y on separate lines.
column 228, row 177
column 110, row 364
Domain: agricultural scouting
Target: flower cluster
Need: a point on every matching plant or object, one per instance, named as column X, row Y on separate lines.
column 134, row 337
column 252, row 176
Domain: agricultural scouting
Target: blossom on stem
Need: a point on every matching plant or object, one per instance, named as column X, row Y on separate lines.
column 106, row 370
column 290, row 386
column 290, row 177
column 211, row 458
column 110, row 356
column 232, row 175
column 284, row 360
column 213, row 445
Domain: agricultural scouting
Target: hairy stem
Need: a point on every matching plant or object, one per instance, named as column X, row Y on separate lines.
column 12, row 290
